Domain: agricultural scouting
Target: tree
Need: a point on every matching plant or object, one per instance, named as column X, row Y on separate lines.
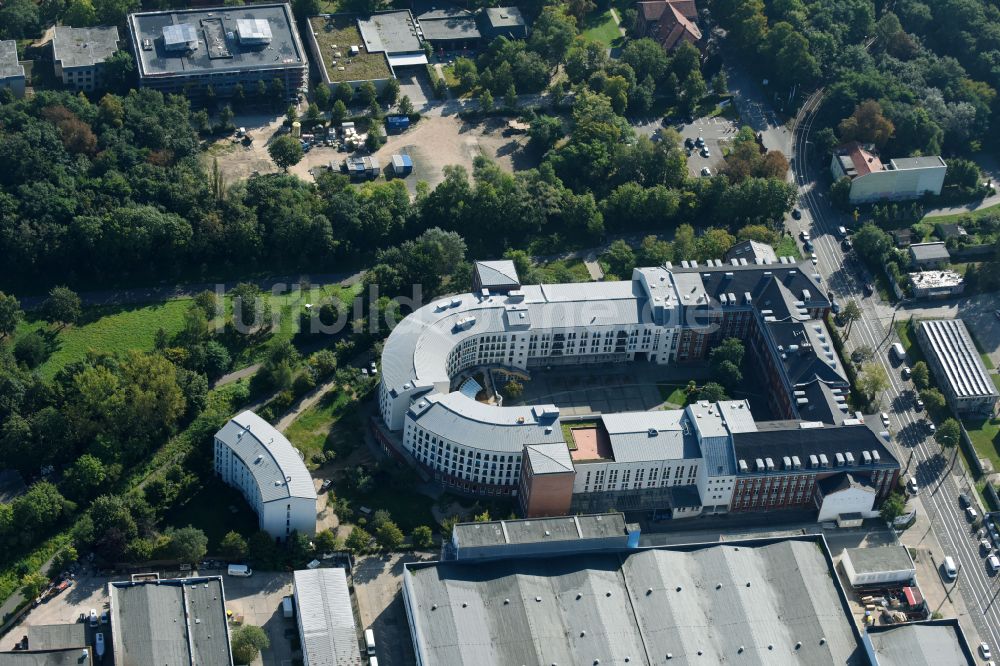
column 248, row 302
column 840, row 193
column 872, row 381
column 553, row 33
column 234, row 546
column 62, row 560
column 948, row 433
column 338, row 113
column 80, row 14
column 247, row 642
column 305, row 8
column 920, row 375
column 405, row 106
column 62, row 306
column 730, row 349
column 963, row 174
column 313, row 116
column 367, row 93
column 892, row 507
column 486, row 101
column 391, row 92
column 388, row 535
column 720, row 83
column 358, row 540
column 934, row 401
column 119, row 71
column 113, row 12
column 19, row 19
column 84, row 477
column 33, row 584
column 344, row 93
column 620, row 259
column 187, row 544
column 694, row 89
column 850, row 313
column 10, row 314
column 867, row 125
column 863, row 354
column 546, row 131
column 322, row 95
column 712, row 392
column 285, row 151
column 422, row 537
column 326, row 542
column 510, row 97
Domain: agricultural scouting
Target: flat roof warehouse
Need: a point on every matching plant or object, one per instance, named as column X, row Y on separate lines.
column 762, row 602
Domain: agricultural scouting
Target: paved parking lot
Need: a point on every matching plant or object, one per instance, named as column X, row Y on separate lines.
column 88, row 591
column 415, row 84
column 716, row 132
column 258, row 600
column 377, row 584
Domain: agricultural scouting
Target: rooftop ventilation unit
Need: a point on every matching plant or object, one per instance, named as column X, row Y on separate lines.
column 786, row 462
column 769, row 463
column 813, row 461
column 823, row 460
column 866, row 457
column 743, row 467
column 180, row 37
column 760, row 465
column 839, row 457
column 254, row 31
column 849, row 457
column 876, row 458
column 796, row 463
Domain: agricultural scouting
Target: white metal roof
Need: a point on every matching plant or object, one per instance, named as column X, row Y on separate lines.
column 276, row 465
column 952, row 346
column 323, row 605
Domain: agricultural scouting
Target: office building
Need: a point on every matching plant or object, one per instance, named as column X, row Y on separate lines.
column 955, row 362
column 900, row 179
column 186, row 51
column 256, row 459
column 11, row 70
column 78, row 55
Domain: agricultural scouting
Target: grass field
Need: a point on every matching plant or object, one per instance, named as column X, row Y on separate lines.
column 985, row 436
column 310, row 432
column 408, row 507
column 675, row 394
column 601, row 27
column 569, row 270
column 336, row 35
column 947, row 219
column 211, row 511
column 787, row 247
column 111, row 329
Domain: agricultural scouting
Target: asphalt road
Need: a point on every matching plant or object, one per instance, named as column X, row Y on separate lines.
column 938, row 474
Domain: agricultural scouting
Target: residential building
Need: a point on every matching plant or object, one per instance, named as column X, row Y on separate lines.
column 256, row 459
column 174, row 621
column 447, row 27
column 11, row 70
column 753, row 252
column 668, row 22
column 496, row 276
column 872, row 180
column 937, row 284
column 78, row 55
column 879, row 565
column 675, row 462
column 355, row 50
column 541, row 536
column 769, row 601
column 950, row 230
column 955, row 361
column 506, row 22
column 929, row 255
column 323, row 610
column 928, row 643
column 186, row 51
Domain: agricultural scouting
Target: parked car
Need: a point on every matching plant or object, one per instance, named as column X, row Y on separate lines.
column 796, row 213
column 846, row 245
column 689, row 143
column 93, row 617
column 325, row 485
column 994, row 563
column 919, row 405
column 906, row 372
column 885, row 419
column 931, row 427
column 835, row 307
column 699, row 142
column 985, row 546
column 804, row 236
column 705, row 171
column 808, row 246
column 869, row 289
column 99, row 645
column 971, row 514
column 963, row 500
column 813, row 258
column 984, row 650
column 705, row 152
column 911, row 485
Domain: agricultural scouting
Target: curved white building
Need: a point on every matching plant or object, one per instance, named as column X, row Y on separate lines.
column 256, row 459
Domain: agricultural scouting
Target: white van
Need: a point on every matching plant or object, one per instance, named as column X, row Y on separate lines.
column 369, row 642
column 240, row 570
column 950, row 570
column 372, row 661
column 898, row 352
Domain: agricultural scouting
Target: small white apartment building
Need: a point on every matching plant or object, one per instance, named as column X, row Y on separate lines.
column 256, row 459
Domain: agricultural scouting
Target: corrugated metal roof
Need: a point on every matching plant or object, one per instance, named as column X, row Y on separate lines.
column 177, row 621
column 323, row 604
column 952, row 346
column 275, row 464
column 693, row 604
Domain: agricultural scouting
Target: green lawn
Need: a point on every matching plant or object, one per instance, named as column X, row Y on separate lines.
column 316, row 429
column 211, row 511
column 571, row 270
column 907, row 337
column 601, row 27
column 408, row 507
column 947, row 219
column 984, row 435
column 787, row 247
column 567, row 431
column 107, row 329
column 675, row 394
